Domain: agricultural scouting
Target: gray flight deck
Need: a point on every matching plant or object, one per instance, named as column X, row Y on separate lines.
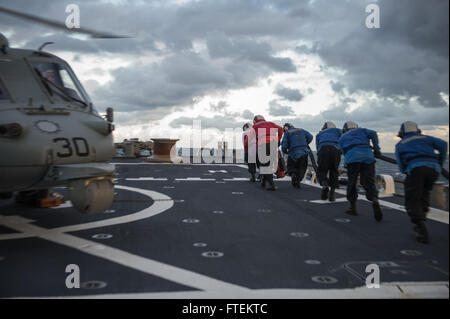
column 205, row 231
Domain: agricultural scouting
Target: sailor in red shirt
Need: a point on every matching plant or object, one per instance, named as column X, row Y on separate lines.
column 268, row 136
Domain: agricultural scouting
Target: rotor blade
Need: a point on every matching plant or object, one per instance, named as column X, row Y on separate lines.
column 59, row 25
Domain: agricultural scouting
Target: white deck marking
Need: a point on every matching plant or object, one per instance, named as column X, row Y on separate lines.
column 184, row 164
column 213, row 288
column 195, row 179
column 162, row 203
column 319, row 201
column 146, row 179
column 400, row 290
column 149, row 266
column 434, row 213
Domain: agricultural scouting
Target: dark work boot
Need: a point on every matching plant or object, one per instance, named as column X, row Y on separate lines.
column 331, row 195
column 294, row 180
column 324, row 194
column 297, row 181
column 377, row 211
column 253, row 179
column 271, row 183
column 422, row 232
column 352, row 209
column 263, row 180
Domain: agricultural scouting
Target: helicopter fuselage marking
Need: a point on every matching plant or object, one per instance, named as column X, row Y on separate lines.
column 77, row 149
column 80, row 151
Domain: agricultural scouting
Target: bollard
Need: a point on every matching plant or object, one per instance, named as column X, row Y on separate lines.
column 385, row 185
column 164, row 151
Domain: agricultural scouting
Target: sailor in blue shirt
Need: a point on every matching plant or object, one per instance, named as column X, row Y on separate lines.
column 359, row 160
column 416, row 157
column 328, row 159
column 295, row 144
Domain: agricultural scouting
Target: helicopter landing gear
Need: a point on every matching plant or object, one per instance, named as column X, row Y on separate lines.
column 90, row 196
column 39, row 198
column 31, row 197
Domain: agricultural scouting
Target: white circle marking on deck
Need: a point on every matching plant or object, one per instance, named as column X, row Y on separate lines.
column 102, row 236
column 342, row 220
column 212, row 254
column 93, row 284
column 312, row 262
column 324, row 279
column 161, row 204
column 299, row 235
column 191, row 220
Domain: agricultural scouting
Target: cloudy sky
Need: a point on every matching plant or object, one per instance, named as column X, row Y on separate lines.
column 222, row 61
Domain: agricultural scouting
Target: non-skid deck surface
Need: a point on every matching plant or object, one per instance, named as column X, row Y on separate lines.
column 186, row 231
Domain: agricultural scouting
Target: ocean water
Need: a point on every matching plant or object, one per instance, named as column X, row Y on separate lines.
column 382, row 167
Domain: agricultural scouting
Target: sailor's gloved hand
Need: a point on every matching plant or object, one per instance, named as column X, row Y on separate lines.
column 376, row 153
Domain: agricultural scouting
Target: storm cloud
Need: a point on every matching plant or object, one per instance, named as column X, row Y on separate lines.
column 182, row 52
column 276, row 109
column 289, row 94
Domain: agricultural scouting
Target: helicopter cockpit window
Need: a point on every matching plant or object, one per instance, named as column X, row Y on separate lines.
column 3, row 94
column 62, row 79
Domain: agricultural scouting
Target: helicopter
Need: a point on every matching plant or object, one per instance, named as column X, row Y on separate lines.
column 51, row 135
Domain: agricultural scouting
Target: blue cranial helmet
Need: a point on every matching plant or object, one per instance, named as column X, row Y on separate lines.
column 349, row 125
column 328, row 125
column 408, row 127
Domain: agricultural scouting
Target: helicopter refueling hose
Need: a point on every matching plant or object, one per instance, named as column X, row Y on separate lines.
column 393, row 161
column 380, row 156
column 313, row 160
